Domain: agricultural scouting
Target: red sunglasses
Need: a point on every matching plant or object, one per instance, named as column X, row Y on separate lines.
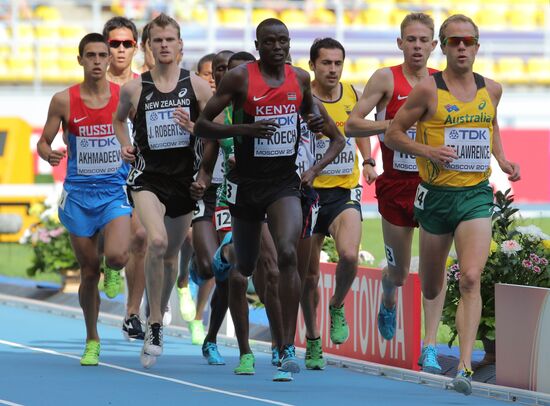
column 455, row 41
column 127, row 43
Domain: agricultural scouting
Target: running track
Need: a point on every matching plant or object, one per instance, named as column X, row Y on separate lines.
column 39, row 365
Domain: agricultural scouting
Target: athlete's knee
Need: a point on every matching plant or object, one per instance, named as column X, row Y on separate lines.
column 204, row 267
column 348, row 257
column 286, row 257
column 138, row 241
column 237, row 280
column 117, row 260
column 89, row 276
column 469, row 282
column 157, row 246
column 397, row 275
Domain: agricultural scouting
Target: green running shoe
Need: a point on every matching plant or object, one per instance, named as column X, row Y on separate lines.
column 90, row 358
column 339, row 330
column 111, row 281
column 314, row 354
column 187, row 305
column 197, row 332
column 246, row 365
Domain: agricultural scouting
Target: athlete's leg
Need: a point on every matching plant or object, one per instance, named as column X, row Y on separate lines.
column 186, row 251
column 205, row 242
column 246, row 243
column 116, row 242
column 310, row 291
column 151, row 213
column 266, row 281
column 86, row 252
column 284, row 217
column 346, row 230
column 472, row 242
column 176, row 230
column 134, row 270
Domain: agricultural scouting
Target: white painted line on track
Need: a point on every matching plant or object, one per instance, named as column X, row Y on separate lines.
column 8, row 403
column 147, row 374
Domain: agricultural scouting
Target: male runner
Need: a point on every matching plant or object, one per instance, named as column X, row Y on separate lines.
column 339, row 189
column 121, row 35
column 93, row 197
column 204, row 70
column 455, row 114
column 267, row 97
column 387, row 90
column 167, row 100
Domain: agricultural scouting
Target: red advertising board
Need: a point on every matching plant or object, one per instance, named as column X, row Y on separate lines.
column 362, row 303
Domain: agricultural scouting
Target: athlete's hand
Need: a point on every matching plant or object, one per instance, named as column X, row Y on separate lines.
column 263, row 128
column 181, row 117
column 128, row 153
column 308, row 177
column 369, row 173
column 315, row 122
column 197, row 189
column 512, row 169
column 442, row 155
column 55, row 157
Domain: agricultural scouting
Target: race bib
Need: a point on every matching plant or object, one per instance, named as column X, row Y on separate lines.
column 355, row 194
column 305, row 158
column 132, row 176
column 421, row 193
column 344, row 163
column 163, row 132
column 199, row 210
column 231, row 192
column 405, row 162
column 283, row 142
column 223, row 219
column 472, row 145
column 97, row 155
column 219, row 172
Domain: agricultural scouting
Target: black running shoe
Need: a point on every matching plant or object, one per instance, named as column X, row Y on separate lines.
column 132, row 328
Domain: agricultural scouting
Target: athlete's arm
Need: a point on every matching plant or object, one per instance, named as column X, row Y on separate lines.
column 510, row 168
column 57, row 115
column 125, row 105
column 363, row 144
column 230, row 88
column 377, row 92
column 415, row 108
column 203, row 93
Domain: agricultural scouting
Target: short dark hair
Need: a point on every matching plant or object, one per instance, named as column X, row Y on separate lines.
column 206, row 58
column 268, row 23
column 242, row 56
column 327, row 43
column 88, row 39
column 145, row 33
column 120, row 22
column 220, row 55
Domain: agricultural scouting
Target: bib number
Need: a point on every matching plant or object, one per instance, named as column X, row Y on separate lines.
column 231, row 193
column 420, row 198
column 355, row 194
column 223, row 219
column 132, row 176
column 199, row 211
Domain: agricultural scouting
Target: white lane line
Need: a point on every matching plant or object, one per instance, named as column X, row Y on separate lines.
column 149, row 375
column 8, row 403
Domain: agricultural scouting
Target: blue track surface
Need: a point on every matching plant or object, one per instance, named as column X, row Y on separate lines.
column 39, row 365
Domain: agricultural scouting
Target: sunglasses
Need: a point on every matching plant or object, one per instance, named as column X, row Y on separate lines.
column 455, row 41
column 127, row 43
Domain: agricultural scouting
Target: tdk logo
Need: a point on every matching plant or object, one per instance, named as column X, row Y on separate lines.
column 84, row 143
column 154, row 116
column 468, row 134
column 451, row 107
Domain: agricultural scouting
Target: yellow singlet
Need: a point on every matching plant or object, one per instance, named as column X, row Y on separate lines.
column 344, row 170
column 468, row 128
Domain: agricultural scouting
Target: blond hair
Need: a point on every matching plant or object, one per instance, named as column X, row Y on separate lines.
column 421, row 18
column 456, row 18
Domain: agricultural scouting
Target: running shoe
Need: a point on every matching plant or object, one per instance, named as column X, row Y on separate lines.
column 314, row 354
column 339, row 330
column 282, row 376
column 462, row 383
column 197, row 332
column 275, row 358
column 211, row 353
column 187, row 305
column 132, row 328
column 147, row 361
column 289, row 362
column 428, row 360
column 167, row 316
column 90, row 358
column 387, row 320
column 246, row 365
column 111, row 281
column 220, row 266
column 152, row 344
